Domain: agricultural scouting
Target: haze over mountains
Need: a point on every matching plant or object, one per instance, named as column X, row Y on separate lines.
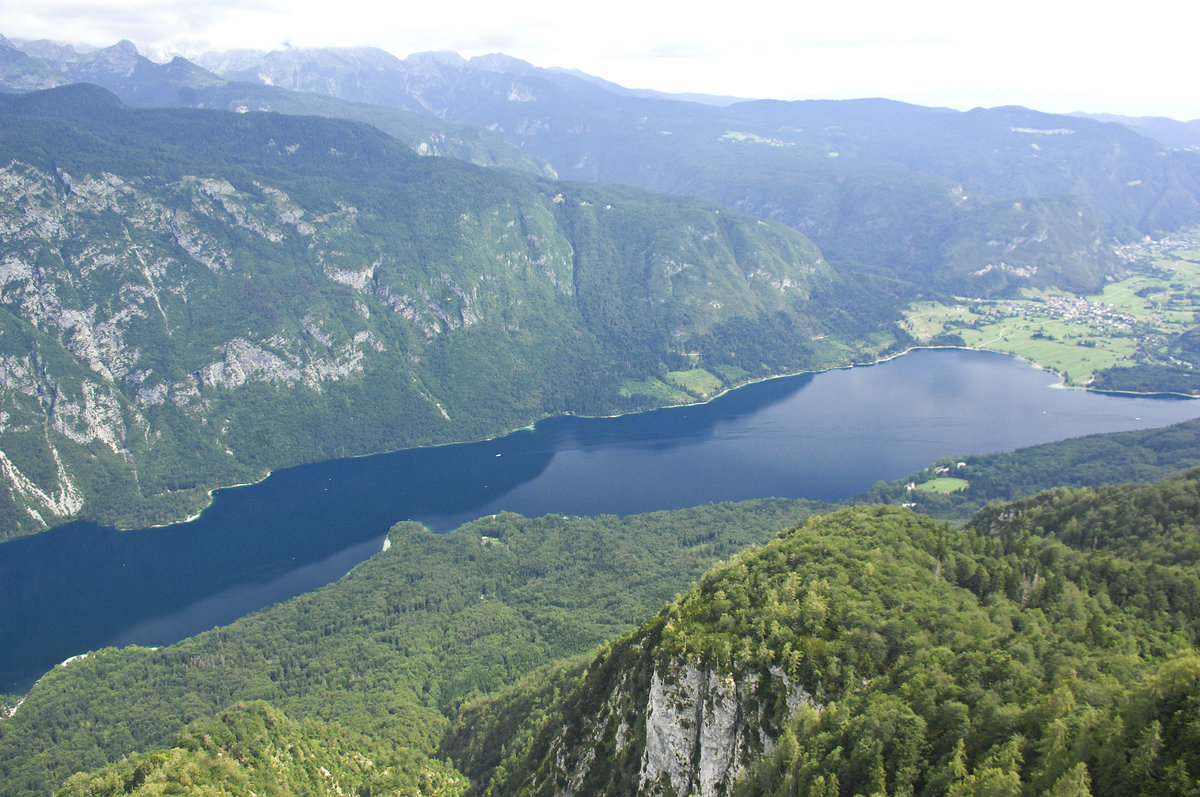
column 770, row 159
column 880, row 186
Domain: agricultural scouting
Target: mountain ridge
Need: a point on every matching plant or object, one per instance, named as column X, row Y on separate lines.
column 588, row 131
column 927, row 195
column 787, row 670
column 182, row 317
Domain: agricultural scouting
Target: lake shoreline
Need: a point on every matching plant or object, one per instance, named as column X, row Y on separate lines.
column 724, row 391
column 825, row 436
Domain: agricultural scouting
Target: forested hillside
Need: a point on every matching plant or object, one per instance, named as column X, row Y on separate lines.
column 393, row 648
column 1048, row 648
column 190, row 298
column 875, row 651
column 1091, row 461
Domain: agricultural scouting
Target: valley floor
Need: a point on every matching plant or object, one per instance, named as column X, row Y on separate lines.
column 1134, row 336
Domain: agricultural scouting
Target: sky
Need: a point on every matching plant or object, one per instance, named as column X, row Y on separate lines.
column 1052, row 55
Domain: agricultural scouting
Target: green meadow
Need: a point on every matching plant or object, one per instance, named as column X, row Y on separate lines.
column 944, row 485
column 1131, row 322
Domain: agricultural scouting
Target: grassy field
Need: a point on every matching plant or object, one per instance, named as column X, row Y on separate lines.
column 697, row 381
column 1128, row 323
column 658, row 390
column 680, row 387
column 944, row 485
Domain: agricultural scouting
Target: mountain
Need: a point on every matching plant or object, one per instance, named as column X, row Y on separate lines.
column 371, row 75
column 1171, row 132
column 22, row 72
column 190, row 298
column 140, row 82
column 389, row 652
column 253, row 748
column 874, row 651
column 973, row 202
column 357, row 74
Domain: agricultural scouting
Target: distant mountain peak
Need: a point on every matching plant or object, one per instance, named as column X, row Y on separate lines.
column 444, row 57
column 499, row 62
column 122, row 58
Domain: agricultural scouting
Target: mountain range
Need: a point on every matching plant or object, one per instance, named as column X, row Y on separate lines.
column 241, row 263
column 193, row 297
column 971, row 202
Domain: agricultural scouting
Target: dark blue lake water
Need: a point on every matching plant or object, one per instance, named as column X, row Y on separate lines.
column 828, row 436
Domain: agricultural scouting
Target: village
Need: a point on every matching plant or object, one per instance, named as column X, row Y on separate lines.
column 1102, row 317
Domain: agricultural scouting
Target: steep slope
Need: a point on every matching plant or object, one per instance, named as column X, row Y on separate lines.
column 874, row 651
column 189, row 298
column 22, row 72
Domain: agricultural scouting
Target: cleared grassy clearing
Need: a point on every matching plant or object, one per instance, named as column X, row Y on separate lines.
column 1073, row 351
column 924, row 320
column 697, row 382
column 944, row 485
column 656, row 389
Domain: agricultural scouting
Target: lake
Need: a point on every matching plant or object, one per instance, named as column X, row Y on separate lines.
column 827, row 436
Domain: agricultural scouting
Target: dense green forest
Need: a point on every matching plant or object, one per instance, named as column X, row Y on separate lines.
column 876, row 651
column 252, row 748
column 396, row 646
column 1148, row 379
column 1140, row 455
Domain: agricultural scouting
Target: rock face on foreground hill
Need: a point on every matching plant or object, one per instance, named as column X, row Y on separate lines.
column 875, row 651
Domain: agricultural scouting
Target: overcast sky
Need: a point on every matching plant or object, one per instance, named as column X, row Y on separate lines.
column 1052, row 55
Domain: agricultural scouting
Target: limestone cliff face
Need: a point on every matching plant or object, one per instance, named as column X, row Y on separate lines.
column 653, row 725
column 698, row 731
column 133, row 306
